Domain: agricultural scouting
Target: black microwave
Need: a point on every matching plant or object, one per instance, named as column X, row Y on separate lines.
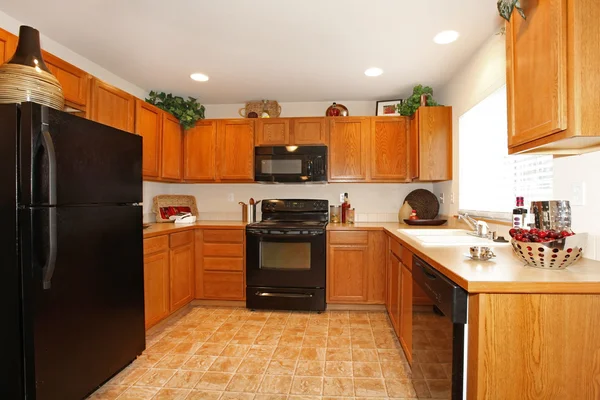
column 290, row 164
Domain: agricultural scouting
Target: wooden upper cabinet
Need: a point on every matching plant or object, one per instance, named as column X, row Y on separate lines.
column 389, row 149
column 309, row 131
column 148, row 124
column 235, row 150
column 8, row 45
column 431, row 144
column 112, row 106
column 348, row 148
column 536, row 55
column 272, row 132
column 199, row 144
column 74, row 81
column 172, row 148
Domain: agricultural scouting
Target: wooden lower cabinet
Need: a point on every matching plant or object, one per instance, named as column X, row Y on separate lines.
column 356, row 267
column 156, row 287
column 181, row 276
column 406, row 311
column 220, row 264
column 393, row 288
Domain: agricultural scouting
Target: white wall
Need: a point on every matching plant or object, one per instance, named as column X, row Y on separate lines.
column 10, row 24
column 479, row 77
column 300, row 109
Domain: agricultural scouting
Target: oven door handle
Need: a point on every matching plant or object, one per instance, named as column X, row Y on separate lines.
column 275, row 294
column 284, row 236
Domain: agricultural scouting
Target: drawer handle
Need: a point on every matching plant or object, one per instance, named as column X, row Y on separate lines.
column 292, row 295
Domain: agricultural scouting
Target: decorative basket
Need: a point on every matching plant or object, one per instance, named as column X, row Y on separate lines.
column 273, row 108
column 165, row 205
column 558, row 254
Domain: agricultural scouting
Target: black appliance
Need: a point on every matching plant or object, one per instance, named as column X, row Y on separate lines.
column 290, row 164
column 450, row 305
column 286, row 256
column 72, row 281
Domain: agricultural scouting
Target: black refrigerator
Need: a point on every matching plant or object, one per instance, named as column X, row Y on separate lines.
column 71, row 276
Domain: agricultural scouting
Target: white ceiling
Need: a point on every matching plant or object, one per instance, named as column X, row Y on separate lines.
column 287, row 50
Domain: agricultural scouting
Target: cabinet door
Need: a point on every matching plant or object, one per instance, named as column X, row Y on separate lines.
column 413, row 146
column 347, row 275
column 273, row 132
column 172, row 148
column 8, row 45
column 406, row 311
column 309, row 131
column 112, row 106
column 235, row 150
column 181, row 276
column 199, row 145
column 389, row 149
column 435, row 143
column 536, row 58
column 156, row 287
column 148, row 124
column 395, row 276
column 74, row 81
column 348, row 149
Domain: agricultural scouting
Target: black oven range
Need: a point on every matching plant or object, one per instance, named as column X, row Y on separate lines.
column 286, row 256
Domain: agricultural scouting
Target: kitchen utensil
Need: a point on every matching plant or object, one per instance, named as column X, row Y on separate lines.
column 244, row 211
column 251, row 210
column 251, row 201
column 186, row 219
column 554, row 214
column 425, row 202
column 558, row 254
column 481, row 253
column 425, row 222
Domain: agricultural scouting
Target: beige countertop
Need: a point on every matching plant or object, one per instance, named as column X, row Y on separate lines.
column 504, row 274
column 165, row 228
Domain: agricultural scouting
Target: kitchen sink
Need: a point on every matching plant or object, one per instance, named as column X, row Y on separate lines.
column 448, row 237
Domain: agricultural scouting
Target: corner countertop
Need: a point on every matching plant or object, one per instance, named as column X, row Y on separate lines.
column 504, row 274
column 157, row 229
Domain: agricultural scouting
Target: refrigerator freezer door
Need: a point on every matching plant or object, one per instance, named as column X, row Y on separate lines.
column 68, row 160
column 89, row 322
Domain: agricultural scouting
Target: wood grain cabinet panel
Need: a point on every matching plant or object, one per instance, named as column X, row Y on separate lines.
column 273, row 132
column 537, row 71
column 348, row 149
column 199, row 144
column 235, row 150
column 394, row 288
column 148, row 124
column 406, row 312
column 347, row 277
column 111, row 106
column 224, row 285
column 172, row 148
column 74, row 81
column 389, row 149
column 8, row 45
column 156, row 287
column 181, row 276
column 431, row 156
column 309, row 131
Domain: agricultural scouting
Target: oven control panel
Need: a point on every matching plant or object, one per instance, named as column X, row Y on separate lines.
column 292, row 205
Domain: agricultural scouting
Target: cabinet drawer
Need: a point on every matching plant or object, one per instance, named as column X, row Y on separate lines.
column 156, row 244
column 224, row 236
column 223, row 249
column 223, row 264
column 351, row 237
column 181, row 238
column 396, row 248
column 224, row 285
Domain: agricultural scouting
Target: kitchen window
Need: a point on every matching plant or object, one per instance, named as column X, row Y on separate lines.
column 490, row 179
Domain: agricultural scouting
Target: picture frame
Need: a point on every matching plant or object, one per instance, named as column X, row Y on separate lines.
column 387, row 108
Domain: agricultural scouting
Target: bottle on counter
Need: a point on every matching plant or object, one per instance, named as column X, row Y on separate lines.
column 413, row 215
column 345, row 206
column 519, row 214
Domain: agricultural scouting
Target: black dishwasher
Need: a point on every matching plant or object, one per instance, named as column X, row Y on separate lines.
column 443, row 332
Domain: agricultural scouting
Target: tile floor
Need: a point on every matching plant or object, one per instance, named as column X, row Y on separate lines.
column 234, row 354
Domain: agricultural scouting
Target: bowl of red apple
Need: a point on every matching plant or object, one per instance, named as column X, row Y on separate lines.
column 549, row 249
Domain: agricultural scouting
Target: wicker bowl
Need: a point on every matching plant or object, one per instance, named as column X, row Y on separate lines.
column 558, row 254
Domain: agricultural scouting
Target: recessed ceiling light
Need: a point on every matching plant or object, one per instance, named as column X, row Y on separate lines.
column 373, row 72
column 446, row 37
column 199, row 77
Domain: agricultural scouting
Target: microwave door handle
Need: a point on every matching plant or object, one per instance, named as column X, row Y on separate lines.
column 309, row 168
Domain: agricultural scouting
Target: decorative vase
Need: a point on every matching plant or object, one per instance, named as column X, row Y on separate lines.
column 404, row 212
column 25, row 77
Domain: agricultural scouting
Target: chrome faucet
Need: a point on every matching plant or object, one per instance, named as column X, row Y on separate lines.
column 479, row 228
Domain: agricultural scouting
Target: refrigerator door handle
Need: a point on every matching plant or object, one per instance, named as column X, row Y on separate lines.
column 49, row 147
column 48, row 269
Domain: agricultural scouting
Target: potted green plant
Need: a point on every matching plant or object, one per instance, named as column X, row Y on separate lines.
column 188, row 112
column 506, row 8
column 412, row 103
